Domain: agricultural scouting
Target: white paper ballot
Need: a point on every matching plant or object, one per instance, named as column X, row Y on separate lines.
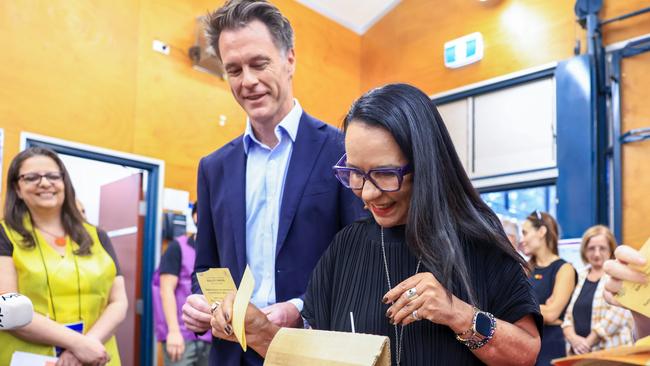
column 31, row 359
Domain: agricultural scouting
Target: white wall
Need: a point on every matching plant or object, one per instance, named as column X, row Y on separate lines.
column 89, row 175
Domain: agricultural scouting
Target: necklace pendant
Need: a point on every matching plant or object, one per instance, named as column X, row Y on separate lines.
column 60, row 241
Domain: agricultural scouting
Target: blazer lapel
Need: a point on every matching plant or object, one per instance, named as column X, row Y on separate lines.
column 308, row 144
column 235, row 174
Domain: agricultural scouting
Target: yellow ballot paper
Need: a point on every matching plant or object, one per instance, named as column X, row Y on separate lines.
column 216, row 283
column 636, row 296
column 643, row 342
column 242, row 299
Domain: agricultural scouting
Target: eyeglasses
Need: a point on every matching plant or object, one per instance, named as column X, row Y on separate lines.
column 385, row 179
column 36, row 178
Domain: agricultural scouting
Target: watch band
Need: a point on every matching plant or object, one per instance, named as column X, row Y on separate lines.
column 474, row 339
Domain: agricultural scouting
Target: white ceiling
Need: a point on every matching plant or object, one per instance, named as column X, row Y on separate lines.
column 356, row 15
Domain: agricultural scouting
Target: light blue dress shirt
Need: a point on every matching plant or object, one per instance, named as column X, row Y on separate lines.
column 266, row 170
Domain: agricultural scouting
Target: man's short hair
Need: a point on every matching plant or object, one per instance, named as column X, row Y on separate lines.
column 236, row 14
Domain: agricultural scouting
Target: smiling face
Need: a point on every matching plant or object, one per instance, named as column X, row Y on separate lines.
column 532, row 238
column 597, row 251
column 259, row 73
column 368, row 147
column 43, row 194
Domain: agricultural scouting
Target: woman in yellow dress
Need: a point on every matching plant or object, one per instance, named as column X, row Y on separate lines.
column 66, row 266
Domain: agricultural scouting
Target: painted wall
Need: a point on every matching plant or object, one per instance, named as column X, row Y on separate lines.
column 85, row 72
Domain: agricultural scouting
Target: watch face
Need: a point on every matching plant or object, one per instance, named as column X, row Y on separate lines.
column 483, row 324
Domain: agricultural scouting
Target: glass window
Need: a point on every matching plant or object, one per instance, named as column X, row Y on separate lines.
column 518, row 203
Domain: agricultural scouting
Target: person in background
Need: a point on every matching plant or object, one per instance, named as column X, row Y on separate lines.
column 552, row 278
column 620, row 269
column 590, row 323
column 267, row 199
column 66, row 267
column 173, row 280
column 428, row 269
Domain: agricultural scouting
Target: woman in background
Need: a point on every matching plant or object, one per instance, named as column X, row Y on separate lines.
column 552, row 278
column 591, row 324
column 66, row 266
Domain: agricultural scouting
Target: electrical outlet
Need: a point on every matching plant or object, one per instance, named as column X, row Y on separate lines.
column 160, row 46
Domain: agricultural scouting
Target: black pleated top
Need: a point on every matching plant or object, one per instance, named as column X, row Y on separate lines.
column 350, row 277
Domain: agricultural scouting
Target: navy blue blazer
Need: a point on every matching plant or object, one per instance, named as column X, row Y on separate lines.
column 315, row 206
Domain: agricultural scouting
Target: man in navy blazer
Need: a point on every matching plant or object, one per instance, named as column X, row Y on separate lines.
column 267, row 199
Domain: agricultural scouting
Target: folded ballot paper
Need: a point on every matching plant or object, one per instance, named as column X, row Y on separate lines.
column 320, row 348
column 216, row 283
column 636, row 296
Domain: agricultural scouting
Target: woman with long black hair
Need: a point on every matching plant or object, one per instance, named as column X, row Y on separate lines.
column 432, row 268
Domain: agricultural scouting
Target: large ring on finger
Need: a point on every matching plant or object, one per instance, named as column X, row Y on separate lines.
column 415, row 315
column 215, row 306
column 411, row 293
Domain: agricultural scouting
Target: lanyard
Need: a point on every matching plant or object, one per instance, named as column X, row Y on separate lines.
column 47, row 278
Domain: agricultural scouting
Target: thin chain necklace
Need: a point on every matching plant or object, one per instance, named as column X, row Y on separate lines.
column 58, row 240
column 399, row 336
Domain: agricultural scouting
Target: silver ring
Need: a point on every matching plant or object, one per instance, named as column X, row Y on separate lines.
column 411, row 293
column 415, row 315
column 215, row 306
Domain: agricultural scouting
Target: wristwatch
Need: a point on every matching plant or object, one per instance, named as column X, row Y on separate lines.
column 483, row 326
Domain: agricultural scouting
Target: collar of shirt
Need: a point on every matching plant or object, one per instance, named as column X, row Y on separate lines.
column 289, row 124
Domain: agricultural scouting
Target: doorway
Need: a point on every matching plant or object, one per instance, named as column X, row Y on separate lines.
column 121, row 194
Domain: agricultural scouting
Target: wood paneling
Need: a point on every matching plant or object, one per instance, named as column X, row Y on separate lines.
column 328, row 75
column 628, row 28
column 635, row 111
column 68, row 71
column 407, row 44
column 85, row 72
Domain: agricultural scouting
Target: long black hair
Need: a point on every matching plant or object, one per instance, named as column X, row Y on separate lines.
column 446, row 212
column 15, row 208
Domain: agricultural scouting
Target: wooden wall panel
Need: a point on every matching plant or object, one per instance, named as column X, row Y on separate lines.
column 68, row 71
column 625, row 29
column 328, row 74
column 178, row 108
column 85, row 72
column 407, row 44
column 635, row 111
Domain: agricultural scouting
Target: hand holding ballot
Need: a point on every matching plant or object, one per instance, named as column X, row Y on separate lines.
column 215, row 284
column 258, row 329
column 628, row 284
column 236, row 320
